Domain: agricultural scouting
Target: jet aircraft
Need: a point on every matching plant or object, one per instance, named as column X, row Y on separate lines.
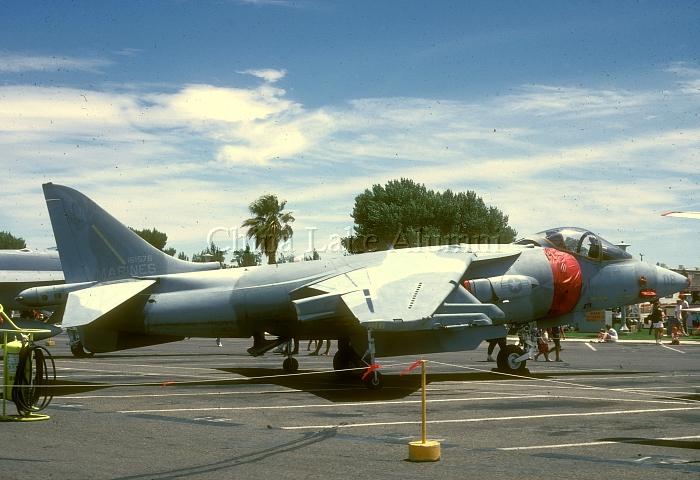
column 694, row 215
column 123, row 293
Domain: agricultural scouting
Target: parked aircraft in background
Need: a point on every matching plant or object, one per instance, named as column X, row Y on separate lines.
column 123, row 293
column 695, row 215
column 21, row 269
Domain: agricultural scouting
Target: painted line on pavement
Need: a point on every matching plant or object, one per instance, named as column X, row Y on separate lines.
column 331, row 405
column 369, row 404
column 671, row 348
column 591, row 444
column 489, row 419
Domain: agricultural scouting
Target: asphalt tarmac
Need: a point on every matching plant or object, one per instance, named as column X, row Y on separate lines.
column 195, row 411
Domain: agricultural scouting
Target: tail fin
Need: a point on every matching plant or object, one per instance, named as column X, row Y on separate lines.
column 94, row 246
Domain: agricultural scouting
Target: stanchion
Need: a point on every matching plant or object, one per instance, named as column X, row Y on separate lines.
column 425, row 450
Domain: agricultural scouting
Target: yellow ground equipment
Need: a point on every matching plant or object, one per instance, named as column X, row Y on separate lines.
column 26, row 372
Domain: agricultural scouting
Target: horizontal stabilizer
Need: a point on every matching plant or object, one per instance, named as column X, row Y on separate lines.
column 87, row 305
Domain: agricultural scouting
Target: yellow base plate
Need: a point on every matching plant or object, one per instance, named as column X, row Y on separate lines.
column 21, row 418
column 424, row 452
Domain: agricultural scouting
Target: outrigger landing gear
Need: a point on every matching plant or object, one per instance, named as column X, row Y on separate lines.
column 513, row 359
column 290, row 365
column 373, row 381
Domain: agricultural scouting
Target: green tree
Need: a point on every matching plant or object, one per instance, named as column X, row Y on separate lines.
column 246, row 257
column 170, row 251
column 154, row 237
column 269, row 225
column 404, row 213
column 10, row 242
column 183, row 256
column 210, row 254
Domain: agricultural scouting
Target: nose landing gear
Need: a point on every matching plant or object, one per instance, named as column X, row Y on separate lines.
column 512, row 359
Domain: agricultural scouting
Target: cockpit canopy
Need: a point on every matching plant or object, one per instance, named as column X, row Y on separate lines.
column 577, row 241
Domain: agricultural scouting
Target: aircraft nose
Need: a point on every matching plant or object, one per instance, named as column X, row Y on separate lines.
column 669, row 282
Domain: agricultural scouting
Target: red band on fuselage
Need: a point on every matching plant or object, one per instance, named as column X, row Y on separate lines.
column 566, row 277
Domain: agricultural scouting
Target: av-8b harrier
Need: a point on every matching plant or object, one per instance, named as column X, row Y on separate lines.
column 121, row 293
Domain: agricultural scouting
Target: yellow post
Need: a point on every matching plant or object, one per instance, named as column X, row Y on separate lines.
column 425, row 450
column 5, row 375
column 424, row 404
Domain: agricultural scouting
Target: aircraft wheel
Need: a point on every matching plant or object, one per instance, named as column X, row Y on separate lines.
column 78, row 351
column 373, row 381
column 290, row 365
column 341, row 359
column 344, row 359
column 506, row 360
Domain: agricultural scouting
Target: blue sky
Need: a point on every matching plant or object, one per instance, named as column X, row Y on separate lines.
column 178, row 114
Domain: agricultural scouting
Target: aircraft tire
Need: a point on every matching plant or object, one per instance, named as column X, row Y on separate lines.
column 373, row 381
column 290, row 365
column 506, row 360
column 344, row 359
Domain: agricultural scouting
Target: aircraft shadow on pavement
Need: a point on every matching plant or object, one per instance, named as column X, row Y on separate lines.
column 60, row 388
column 330, row 386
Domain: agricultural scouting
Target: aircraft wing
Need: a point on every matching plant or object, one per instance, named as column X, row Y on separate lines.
column 404, row 291
column 30, row 276
column 87, row 305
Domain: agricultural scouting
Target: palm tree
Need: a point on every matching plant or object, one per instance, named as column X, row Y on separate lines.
column 270, row 225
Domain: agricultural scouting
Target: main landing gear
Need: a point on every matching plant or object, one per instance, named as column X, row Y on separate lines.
column 349, row 364
column 76, row 345
column 346, row 360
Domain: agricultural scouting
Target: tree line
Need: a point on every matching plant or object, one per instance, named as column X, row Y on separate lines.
column 399, row 214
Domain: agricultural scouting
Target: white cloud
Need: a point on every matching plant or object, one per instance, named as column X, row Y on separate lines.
column 196, row 104
column 606, row 159
column 13, row 63
column 544, row 100
column 270, row 75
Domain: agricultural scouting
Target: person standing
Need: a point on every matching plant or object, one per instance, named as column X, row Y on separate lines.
column 557, row 335
column 501, row 342
column 319, row 344
column 657, row 321
column 542, row 345
column 686, row 317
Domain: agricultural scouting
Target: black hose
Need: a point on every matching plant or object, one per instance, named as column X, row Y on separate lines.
column 29, row 392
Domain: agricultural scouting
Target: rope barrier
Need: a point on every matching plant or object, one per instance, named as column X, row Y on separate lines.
column 364, row 369
column 562, row 382
column 168, row 383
